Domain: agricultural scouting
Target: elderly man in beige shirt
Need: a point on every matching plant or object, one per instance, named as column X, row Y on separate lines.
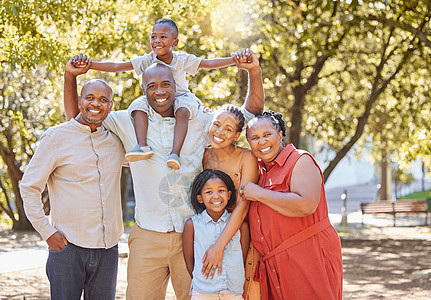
column 81, row 163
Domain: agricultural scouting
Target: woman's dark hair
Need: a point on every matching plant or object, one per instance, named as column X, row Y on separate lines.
column 236, row 111
column 169, row 22
column 276, row 119
column 200, row 181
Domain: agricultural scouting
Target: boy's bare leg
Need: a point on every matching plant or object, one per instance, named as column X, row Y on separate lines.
column 141, row 151
column 182, row 116
column 140, row 123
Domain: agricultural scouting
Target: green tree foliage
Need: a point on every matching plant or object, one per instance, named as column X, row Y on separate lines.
column 419, row 147
column 343, row 72
column 27, row 107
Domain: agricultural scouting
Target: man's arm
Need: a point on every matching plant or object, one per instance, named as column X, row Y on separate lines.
column 255, row 96
column 31, row 187
column 70, row 87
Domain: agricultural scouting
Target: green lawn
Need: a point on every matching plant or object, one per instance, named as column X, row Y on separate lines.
column 418, row 195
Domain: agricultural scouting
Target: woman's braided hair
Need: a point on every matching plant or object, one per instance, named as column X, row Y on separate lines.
column 275, row 118
column 236, row 111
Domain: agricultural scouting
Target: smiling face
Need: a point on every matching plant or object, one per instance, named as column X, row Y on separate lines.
column 163, row 40
column 223, row 130
column 159, row 86
column 95, row 103
column 264, row 139
column 215, row 196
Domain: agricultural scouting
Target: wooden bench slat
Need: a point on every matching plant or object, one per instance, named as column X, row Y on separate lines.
column 395, row 207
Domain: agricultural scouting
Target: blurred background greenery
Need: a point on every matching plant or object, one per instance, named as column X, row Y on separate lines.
column 343, row 73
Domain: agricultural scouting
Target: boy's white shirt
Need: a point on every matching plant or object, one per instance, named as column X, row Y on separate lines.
column 181, row 65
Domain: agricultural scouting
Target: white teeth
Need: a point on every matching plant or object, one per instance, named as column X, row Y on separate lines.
column 218, row 139
column 94, row 111
column 160, row 100
column 217, row 203
column 265, row 149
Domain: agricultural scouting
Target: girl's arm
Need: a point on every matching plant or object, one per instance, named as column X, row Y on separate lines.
column 188, row 250
column 304, row 195
column 245, row 239
column 214, row 255
column 216, row 63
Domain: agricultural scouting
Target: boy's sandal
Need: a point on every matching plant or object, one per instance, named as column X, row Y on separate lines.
column 173, row 161
column 139, row 153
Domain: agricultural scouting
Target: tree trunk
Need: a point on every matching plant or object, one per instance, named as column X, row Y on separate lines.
column 15, row 175
column 383, row 177
column 296, row 116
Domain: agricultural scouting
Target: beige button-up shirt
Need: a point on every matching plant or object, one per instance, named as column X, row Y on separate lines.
column 82, row 169
column 162, row 194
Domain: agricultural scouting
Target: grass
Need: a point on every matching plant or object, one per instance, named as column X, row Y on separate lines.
column 418, row 196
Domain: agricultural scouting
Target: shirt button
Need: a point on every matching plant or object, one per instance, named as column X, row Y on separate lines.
column 249, row 262
column 258, row 221
column 261, row 238
column 248, row 278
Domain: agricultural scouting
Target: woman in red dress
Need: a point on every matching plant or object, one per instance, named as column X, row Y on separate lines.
column 301, row 251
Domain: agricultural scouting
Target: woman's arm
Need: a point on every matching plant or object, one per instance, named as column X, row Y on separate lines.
column 245, row 239
column 214, row 255
column 255, row 95
column 305, row 187
column 188, row 250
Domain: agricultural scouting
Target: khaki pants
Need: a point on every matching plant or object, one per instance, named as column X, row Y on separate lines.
column 153, row 257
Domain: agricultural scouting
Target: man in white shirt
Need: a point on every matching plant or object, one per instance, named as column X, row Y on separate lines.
column 81, row 162
column 162, row 193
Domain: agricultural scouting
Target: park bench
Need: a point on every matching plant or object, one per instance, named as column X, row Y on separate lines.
column 387, row 207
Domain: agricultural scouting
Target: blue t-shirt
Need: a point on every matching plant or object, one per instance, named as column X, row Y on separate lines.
column 206, row 232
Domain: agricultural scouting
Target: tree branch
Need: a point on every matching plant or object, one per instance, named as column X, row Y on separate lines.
column 407, row 27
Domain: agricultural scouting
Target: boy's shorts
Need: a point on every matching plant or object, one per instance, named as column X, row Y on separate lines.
column 186, row 100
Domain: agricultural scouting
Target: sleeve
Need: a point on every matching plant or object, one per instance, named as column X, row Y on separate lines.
column 139, row 104
column 33, row 183
column 140, row 63
column 119, row 123
column 247, row 115
column 190, row 63
column 188, row 101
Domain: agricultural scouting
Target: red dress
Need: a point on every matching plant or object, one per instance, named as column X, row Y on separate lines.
column 301, row 256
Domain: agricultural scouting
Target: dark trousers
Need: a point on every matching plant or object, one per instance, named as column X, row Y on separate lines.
column 74, row 269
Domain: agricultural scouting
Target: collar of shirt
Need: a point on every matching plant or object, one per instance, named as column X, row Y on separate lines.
column 173, row 62
column 84, row 128
column 207, row 218
column 281, row 157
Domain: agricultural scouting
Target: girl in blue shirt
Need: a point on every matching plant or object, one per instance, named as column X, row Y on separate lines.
column 211, row 192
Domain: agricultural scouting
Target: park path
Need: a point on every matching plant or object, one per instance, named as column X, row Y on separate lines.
column 23, row 255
